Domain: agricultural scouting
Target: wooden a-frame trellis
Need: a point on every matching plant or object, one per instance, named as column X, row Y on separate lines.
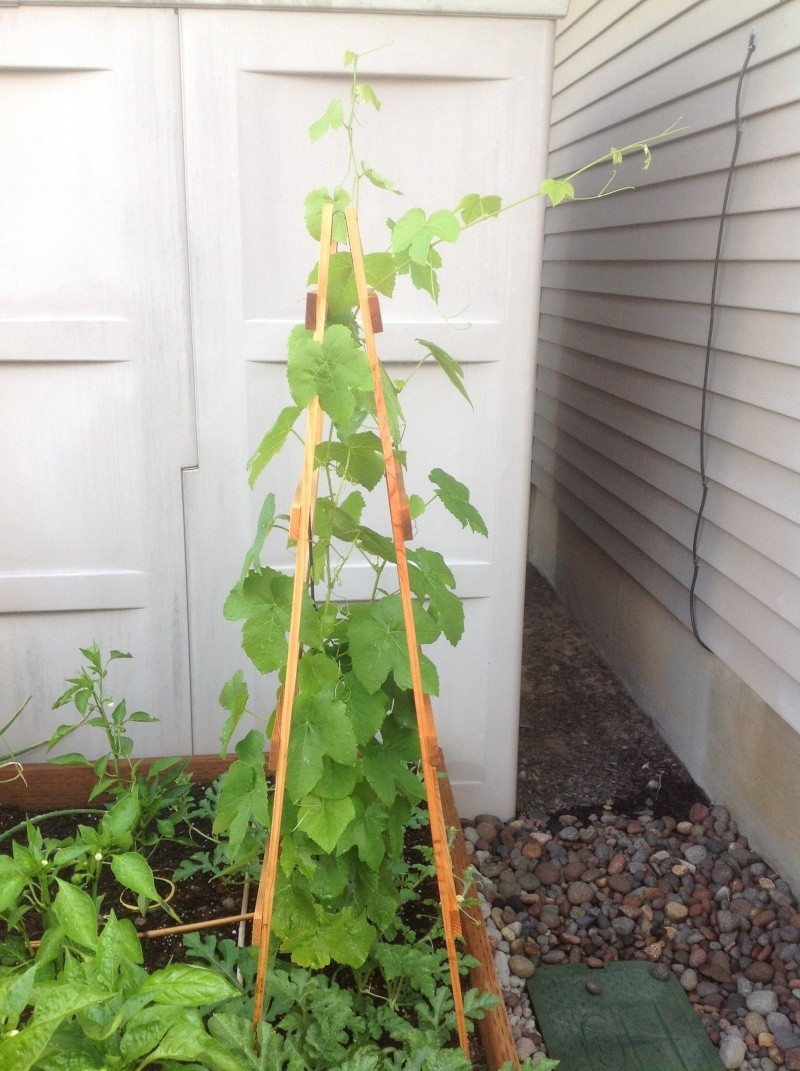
column 301, row 523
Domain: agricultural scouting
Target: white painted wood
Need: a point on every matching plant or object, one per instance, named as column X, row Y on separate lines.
column 523, row 9
column 465, row 108
column 94, row 371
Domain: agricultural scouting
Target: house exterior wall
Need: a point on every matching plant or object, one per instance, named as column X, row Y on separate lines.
column 625, row 316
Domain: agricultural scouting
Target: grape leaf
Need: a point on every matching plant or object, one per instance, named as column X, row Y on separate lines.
column 325, row 820
column 233, row 698
column 472, row 208
column 557, row 190
column 414, row 232
column 431, row 578
column 378, row 180
column 315, row 202
column 378, row 644
column 380, row 271
column 365, row 834
column 264, row 600
column 331, row 120
column 320, row 727
column 332, row 369
column 266, row 519
column 357, row 459
column 454, row 496
column 272, row 442
column 366, row 94
column 451, row 368
column 367, row 710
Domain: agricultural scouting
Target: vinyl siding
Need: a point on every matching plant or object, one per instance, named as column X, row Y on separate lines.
column 625, row 313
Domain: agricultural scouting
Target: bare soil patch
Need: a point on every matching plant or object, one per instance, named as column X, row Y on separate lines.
column 583, row 741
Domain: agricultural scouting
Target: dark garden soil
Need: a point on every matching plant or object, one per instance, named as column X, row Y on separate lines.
column 583, row 742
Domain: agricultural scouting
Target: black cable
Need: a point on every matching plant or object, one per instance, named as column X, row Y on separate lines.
column 712, row 309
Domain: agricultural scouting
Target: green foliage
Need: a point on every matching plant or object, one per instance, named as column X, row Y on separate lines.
column 83, row 1002
column 102, row 1007
column 162, row 794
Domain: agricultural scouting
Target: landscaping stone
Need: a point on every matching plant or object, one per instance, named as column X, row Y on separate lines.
column 620, row 888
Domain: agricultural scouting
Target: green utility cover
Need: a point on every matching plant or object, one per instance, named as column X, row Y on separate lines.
column 634, row 1023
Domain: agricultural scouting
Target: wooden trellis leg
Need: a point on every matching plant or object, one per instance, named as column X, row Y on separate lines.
column 301, row 522
column 429, row 746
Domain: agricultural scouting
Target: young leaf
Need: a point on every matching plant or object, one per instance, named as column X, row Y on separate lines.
column 331, row 120
column 133, row 871
column 472, row 208
column 416, row 506
column 76, row 911
column 557, row 190
column 414, row 232
column 333, row 370
column 272, row 442
column 233, row 698
column 12, row 882
column 315, row 201
column 378, row 180
column 454, row 496
column 74, row 758
column 451, row 368
column 366, row 94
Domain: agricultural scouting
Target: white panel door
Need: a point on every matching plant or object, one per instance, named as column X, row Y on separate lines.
column 465, row 108
column 95, row 423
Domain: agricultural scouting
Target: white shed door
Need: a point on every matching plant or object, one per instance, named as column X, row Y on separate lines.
column 94, row 421
column 465, row 109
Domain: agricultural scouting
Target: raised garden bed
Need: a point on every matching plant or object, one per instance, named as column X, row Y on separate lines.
column 49, row 788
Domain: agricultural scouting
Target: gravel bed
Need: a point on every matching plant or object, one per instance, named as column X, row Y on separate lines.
column 688, row 896
column 617, row 854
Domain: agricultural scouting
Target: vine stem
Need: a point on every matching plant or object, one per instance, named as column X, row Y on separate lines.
column 37, row 818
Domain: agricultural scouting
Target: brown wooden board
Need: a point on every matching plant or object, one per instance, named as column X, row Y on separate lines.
column 47, row 786
column 494, row 1030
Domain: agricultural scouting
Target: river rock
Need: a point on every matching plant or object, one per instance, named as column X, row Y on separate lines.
column 521, row 966
column 732, row 1051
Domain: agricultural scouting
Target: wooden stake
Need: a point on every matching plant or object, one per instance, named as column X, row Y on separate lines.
column 262, row 927
column 429, row 747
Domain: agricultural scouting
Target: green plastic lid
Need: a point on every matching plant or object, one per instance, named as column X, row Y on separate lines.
column 618, row 1018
